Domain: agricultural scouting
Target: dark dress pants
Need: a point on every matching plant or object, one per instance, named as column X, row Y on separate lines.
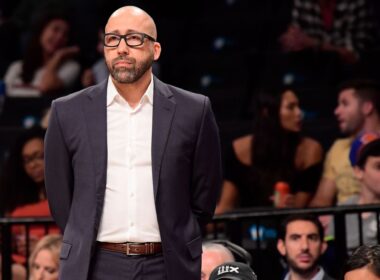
column 108, row 265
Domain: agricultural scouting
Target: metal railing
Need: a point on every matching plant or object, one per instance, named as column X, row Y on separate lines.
column 232, row 228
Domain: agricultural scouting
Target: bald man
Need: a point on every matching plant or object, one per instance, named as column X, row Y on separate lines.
column 133, row 166
column 213, row 255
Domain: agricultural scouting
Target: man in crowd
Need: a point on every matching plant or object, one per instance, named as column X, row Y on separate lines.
column 301, row 243
column 214, row 254
column 364, row 263
column 345, row 27
column 365, row 159
column 358, row 110
column 233, row 271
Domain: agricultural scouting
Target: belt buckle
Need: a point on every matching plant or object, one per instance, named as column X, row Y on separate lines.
column 128, row 249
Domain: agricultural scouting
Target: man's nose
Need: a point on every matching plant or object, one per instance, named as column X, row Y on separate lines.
column 299, row 112
column 122, row 47
column 336, row 111
column 305, row 244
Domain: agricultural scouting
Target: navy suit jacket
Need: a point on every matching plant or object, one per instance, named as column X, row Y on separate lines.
column 186, row 170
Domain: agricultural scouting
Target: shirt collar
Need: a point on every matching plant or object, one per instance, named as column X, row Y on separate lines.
column 318, row 276
column 112, row 92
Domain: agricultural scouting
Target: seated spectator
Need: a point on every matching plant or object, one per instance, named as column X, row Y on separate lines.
column 23, row 176
column 233, row 271
column 301, row 242
column 276, row 151
column 18, row 271
column 214, row 254
column 358, row 110
column 345, row 27
column 364, row 263
column 22, row 192
column 47, row 66
column 44, row 260
column 365, row 158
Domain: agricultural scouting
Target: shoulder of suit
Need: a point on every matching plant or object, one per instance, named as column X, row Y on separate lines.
column 75, row 96
column 180, row 93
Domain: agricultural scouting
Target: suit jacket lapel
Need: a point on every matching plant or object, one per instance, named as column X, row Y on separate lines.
column 96, row 120
column 163, row 113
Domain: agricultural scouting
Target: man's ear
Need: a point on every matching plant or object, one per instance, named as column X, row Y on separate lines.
column 281, row 247
column 324, row 247
column 156, row 50
column 367, row 108
column 358, row 172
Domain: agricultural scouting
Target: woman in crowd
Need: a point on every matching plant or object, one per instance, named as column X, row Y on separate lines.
column 275, row 151
column 22, row 192
column 47, row 66
column 44, row 260
column 23, row 174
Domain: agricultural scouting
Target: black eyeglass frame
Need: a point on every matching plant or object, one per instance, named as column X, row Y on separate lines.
column 125, row 39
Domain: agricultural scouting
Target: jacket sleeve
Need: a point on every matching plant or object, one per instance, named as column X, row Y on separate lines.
column 58, row 171
column 207, row 170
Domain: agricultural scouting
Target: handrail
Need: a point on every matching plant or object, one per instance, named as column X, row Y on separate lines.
column 247, row 213
column 232, row 218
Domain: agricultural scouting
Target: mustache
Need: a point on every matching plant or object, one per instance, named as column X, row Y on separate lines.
column 123, row 58
column 305, row 254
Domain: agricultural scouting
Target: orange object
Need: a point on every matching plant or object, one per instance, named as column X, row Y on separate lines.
column 281, row 190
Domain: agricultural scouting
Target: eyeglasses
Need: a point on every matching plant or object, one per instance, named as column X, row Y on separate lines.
column 28, row 159
column 132, row 39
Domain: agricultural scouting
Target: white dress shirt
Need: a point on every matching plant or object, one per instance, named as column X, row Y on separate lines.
column 129, row 212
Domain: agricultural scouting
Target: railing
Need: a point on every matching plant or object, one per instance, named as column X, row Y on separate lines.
column 232, row 229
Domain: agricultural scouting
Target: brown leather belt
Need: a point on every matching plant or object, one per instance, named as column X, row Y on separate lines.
column 132, row 248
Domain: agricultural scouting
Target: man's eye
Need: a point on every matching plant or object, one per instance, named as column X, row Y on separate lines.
column 113, row 38
column 134, row 38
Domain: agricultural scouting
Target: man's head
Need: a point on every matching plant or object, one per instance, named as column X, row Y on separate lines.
column 365, row 158
column 301, row 243
column 130, row 58
column 233, row 271
column 358, row 100
column 364, row 263
column 212, row 256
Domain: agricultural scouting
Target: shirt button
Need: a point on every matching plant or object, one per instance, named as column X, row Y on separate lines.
column 132, row 195
column 132, row 224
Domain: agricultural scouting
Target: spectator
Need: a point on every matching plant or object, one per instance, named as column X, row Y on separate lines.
column 18, row 271
column 301, row 242
column 364, row 263
column 358, row 109
column 345, row 27
column 23, row 176
column 213, row 255
column 365, row 158
column 275, row 152
column 44, row 260
column 23, row 189
column 47, row 66
column 233, row 271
